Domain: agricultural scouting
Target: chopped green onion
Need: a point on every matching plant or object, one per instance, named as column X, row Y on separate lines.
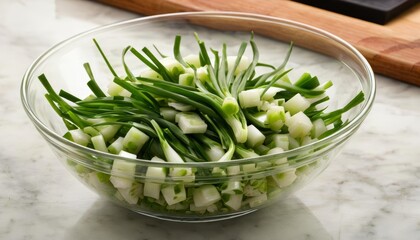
column 205, row 107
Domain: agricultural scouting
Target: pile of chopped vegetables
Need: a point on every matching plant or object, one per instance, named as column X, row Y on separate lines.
column 208, row 107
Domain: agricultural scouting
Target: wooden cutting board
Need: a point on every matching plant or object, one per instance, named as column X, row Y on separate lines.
column 392, row 49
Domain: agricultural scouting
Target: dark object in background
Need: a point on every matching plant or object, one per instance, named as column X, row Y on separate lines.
column 377, row 11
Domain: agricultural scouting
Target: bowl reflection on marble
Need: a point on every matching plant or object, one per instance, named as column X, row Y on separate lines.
column 316, row 51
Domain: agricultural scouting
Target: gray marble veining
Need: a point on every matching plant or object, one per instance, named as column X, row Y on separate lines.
column 371, row 191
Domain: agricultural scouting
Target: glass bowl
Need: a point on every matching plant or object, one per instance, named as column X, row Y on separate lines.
column 316, row 51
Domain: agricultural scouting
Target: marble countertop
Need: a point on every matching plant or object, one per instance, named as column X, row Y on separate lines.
column 371, row 191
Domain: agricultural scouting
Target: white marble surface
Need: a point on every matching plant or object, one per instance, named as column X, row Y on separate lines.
column 371, row 191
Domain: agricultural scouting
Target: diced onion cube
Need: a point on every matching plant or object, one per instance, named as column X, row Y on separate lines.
column 233, row 201
column 276, row 117
column 99, row 143
column 258, row 200
column 232, row 187
column 168, row 113
column 116, row 146
column 212, row 208
column 318, row 128
column 155, row 176
column 174, row 194
column 275, row 113
column 255, row 137
column 191, row 123
column 293, row 142
column 299, row 125
column 134, row 140
column 78, row 136
column 250, row 98
column 205, row 195
column 296, row 104
column 278, row 140
column 98, row 184
column 214, row 153
column 122, row 172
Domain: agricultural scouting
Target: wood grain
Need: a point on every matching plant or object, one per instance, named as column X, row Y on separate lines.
column 392, row 50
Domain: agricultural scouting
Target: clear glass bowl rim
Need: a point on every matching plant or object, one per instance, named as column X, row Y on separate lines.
column 336, row 137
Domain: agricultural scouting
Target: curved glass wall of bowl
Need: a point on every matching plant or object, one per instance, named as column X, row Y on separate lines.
column 327, row 58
